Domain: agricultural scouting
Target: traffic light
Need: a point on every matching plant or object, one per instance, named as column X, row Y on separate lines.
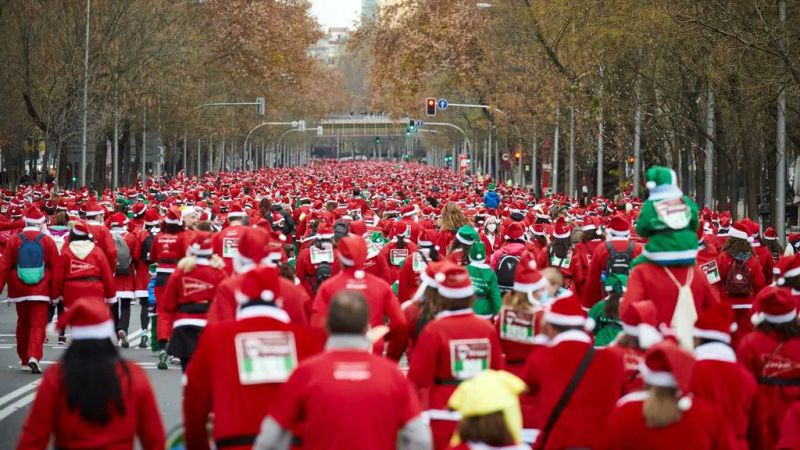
column 518, row 154
column 430, row 107
column 377, row 140
column 411, row 125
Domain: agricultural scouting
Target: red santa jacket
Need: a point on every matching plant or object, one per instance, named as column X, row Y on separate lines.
column 594, row 291
column 776, row 366
column 766, row 259
column 194, row 282
column 125, row 285
column 408, row 279
column 547, row 373
column 168, row 249
column 583, row 252
column 790, row 431
column 306, row 271
column 378, row 267
column 492, row 242
column 380, row 299
column 707, row 261
column 649, row 281
column 17, row 290
column 724, row 263
column 631, row 357
column 50, row 416
column 82, row 271
column 719, row 380
column 702, row 427
column 415, row 228
column 294, row 300
column 218, row 384
column 226, row 243
column 104, row 240
column 142, row 265
column 395, row 256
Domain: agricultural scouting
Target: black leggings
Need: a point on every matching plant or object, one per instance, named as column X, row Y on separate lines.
column 121, row 311
column 51, row 311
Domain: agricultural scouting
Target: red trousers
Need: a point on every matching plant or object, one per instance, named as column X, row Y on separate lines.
column 164, row 324
column 31, row 324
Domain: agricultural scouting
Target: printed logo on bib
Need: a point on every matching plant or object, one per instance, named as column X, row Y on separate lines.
column 562, row 263
column 265, row 356
column 230, row 247
column 418, row 264
column 779, row 367
column 397, row 256
column 319, row 255
column 469, row 357
column 674, row 213
column 351, row 371
column 711, row 271
column 193, row 286
column 517, row 326
column 76, row 266
column 373, row 249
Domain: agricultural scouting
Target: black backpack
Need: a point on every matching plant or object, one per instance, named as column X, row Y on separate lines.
column 340, row 230
column 324, row 271
column 739, row 282
column 146, row 245
column 505, row 270
column 619, row 263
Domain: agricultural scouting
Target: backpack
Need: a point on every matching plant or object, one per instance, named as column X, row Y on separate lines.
column 505, row 272
column 147, row 244
column 619, row 263
column 124, row 257
column 30, row 260
column 340, row 230
column 324, row 271
column 739, row 281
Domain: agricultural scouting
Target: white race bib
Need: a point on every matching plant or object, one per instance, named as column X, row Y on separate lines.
column 469, row 357
column 265, row 356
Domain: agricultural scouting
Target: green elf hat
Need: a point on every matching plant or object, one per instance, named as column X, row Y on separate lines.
column 467, row 235
column 152, row 269
column 662, row 183
column 615, row 283
column 492, row 186
column 477, row 252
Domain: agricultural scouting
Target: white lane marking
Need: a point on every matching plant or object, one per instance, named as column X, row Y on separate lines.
column 19, row 391
column 16, row 406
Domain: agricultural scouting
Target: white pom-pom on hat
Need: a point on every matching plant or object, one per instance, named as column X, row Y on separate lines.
column 359, row 274
column 267, row 296
column 650, row 184
column 440, row 277
column 685, row 403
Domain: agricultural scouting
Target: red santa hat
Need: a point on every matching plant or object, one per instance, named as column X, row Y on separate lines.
column 353, row 253
column 138, row 209
column 277, row 218
column 739, row 231
column 202, row 244
column 639, row 319
column 527, row 278
column 667, row 365
column 87, row 319
column 561, row 229
column 515, row 231
column 717, row 322
column 261, row 284
column 774, row 305
column 34, row 216
column 236, row 211
column 454, row 282
column 174, row 216
column 151, row 217
column 567, row 312
column 357, row 228
column 619, row 226
column 252, row 249
column 400, row 229
column 538, row 229
column 770, row 234
column 792, row 268
column 409, row 211
column 93, row 209
column 117, row 220
column 427, row 238
column 81, row 228
column 324, row 231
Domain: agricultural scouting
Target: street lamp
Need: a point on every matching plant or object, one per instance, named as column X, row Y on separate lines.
column 483, row 5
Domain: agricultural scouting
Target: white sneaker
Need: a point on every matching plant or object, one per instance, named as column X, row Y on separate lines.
column 33, row 363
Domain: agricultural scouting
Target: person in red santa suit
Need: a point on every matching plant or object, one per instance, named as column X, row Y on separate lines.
column 741, row 277
column 707, row 254
column 549, row 370
column 764, row 254
column 30, row 288
column 169, row 246
column 562, row 256
column 772, row 354
column 454, row 347
column 591, row 238
column 346, row 398
column 82, row 270
column 409, row 217
column 227, row 241
column 624, row 249
column 452, row 219
column 92, row 397
column 232, row 383
column 790, row 431
column 513, row 245
column 102, row 236
column 639, row 332
column 666, row 416
column 490, row 235
column 145, row 236
column 124, row 274
column 374, row 263
column 717, row 378
column 398, row 249
column 187, row 297
column 724, row 226
column 320, row 254
column 427, row 252
column 255, row 250
column 423, row 306
column 352, row 251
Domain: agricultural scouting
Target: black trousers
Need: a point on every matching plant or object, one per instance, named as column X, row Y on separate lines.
column 121, row 312
column 51, row 312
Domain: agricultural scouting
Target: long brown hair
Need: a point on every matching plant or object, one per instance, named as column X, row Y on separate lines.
column 517, row 301
column 490, row 429
column 452, row 218
column 736, row 247
column 432, row 304
column 784, row 331
column 661, row 407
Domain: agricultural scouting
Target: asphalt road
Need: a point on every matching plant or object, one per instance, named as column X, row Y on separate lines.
column 18, row 386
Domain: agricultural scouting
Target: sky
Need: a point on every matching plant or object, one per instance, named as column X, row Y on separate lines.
column 336, row 13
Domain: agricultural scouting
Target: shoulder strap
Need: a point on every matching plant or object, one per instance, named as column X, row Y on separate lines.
column 22, row 237
column 630, row 247
column 566, row 396
column 39, row 237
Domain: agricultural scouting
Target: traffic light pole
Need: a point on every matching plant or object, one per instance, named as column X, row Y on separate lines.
column 263, row 124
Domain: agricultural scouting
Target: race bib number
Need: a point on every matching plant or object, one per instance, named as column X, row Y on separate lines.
column 674, row 213
column 397, row 256
column 230, row 247
column 418, row 264
column 265, row 356
column 373, row 249
column 319, row 255
column 517, row 326
column 469, row 357
column 562, row 263
column 711, row 271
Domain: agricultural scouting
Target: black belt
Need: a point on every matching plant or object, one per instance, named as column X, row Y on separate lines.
column 779, row 381
column 167, row 261
column 85, row 279
column 194, row 308
column 447, row 382
column 515, row 361
column 236, row 441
